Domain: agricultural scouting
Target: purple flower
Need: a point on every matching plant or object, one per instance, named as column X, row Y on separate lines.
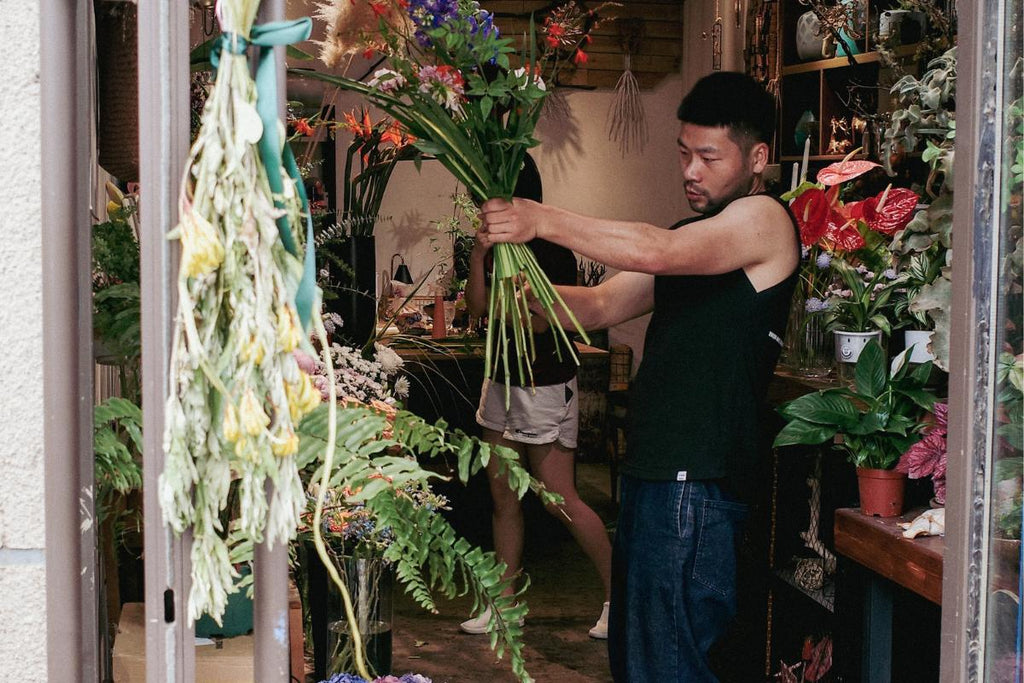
column 815, row 305
column 414, row 678
column 823, row 261
column 345, row 678
column 889, row 274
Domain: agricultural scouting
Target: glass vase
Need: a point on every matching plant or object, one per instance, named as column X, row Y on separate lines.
column 370, row 583
column 809, row 348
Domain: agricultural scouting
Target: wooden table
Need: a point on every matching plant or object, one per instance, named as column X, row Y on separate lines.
column 913, row 563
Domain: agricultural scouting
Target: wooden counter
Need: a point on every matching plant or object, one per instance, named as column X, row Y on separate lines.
column 878, row 544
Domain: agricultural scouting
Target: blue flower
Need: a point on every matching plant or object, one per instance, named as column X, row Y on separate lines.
column 815, row 305
column 345, row 678
column 823, row 261
column 890, row 274
column 414, row 678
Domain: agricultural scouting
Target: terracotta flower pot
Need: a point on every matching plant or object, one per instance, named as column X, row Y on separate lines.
column 881, row 491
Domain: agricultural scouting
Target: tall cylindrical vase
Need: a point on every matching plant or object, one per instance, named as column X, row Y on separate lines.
column 357, row 300
column 370, row 583
column 808, row 349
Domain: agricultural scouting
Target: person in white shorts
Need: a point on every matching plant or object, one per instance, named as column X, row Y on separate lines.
column 540, row 424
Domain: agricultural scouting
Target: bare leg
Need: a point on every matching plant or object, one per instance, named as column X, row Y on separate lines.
column 507, row 516
column 552, row 464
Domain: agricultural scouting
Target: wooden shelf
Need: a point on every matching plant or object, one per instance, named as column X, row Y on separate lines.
column 834, row 63
column 819, row 157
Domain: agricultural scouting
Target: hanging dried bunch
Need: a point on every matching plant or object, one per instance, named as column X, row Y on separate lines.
column 626, row 121
column 236, row 392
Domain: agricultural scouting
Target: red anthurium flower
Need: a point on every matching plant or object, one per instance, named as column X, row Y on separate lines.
column 841, row 171
column 811, row 211
column 842, row 230
column 580, row 57
column 892, row 210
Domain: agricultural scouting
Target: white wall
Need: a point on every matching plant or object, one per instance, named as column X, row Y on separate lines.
column 22, row 572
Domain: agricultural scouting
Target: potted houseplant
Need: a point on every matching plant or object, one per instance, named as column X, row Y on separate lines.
column 927, row 116
column 873, row 422
column 850, row 239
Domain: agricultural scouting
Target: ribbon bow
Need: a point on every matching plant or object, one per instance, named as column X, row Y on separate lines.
column 273, row 151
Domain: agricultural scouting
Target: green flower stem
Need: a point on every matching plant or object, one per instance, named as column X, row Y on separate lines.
column 325, row 482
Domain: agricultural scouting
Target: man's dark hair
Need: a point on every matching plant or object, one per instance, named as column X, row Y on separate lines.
column 731, row 100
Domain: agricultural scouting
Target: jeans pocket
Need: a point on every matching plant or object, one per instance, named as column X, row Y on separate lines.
column 714, row 563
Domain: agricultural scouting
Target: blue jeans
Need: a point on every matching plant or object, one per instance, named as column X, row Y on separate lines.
column 673, row 579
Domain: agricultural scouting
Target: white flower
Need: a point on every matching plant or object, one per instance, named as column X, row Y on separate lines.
column 387, row 81
column 521, row 78
column 402, row 387
column 390, row 362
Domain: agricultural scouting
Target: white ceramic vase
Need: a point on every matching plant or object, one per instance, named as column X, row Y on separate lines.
column 918, row 341
column 850, row 344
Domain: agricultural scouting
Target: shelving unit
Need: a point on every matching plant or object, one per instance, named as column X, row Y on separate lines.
column 826, row 87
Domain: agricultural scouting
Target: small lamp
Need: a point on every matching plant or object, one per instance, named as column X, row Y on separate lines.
column 401, row 274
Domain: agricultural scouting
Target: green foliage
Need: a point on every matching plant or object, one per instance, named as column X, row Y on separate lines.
column 877, row 419
column 868, row 305
column 117, row 449
column 374, row 459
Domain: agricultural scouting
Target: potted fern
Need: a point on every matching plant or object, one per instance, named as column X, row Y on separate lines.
column 873, row 422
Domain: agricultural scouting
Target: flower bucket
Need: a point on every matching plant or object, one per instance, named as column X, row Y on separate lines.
column 850, row 344
column 918, row 340
column 881, row 492
column 807, row 351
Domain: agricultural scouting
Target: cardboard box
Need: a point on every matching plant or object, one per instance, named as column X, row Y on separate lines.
column 230, row 662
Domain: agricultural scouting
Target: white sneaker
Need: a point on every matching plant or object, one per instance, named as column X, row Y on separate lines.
column 600, row 630
column 480, row 624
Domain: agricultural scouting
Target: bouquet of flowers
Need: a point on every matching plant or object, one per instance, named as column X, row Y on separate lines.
column 848, row 267
column 451, row 83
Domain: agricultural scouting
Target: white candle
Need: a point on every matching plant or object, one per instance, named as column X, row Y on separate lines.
column 794, row 179
column 807, row 153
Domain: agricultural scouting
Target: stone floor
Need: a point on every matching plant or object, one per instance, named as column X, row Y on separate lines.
column 564, row 598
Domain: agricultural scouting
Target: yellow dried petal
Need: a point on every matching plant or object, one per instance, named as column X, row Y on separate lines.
column 201, row 250
column 288, row 336
column 254, row 420
column 229, row 424
column 285, row 443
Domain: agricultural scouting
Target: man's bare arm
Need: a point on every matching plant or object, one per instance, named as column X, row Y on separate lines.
column 622, row 297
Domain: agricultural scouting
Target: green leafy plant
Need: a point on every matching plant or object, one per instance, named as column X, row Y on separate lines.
column 376, row 462
column 117, row 449
column 862, row 300
column 873, row 422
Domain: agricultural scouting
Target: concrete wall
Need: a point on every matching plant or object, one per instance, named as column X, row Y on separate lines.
column 22, row 533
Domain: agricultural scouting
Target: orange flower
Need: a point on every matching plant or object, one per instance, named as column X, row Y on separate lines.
column 302, row 127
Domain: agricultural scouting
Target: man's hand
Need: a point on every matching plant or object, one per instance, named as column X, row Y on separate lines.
column 505, row 221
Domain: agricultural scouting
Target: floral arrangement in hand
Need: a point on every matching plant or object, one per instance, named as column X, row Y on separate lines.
column 451, row 82
column 848, row 268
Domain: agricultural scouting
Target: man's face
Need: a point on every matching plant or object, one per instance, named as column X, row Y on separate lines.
column 716, row 170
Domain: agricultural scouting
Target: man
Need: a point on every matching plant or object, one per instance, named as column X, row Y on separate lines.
column 719, row 287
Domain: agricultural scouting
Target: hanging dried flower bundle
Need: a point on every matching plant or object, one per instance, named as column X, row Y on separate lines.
column 236, row 392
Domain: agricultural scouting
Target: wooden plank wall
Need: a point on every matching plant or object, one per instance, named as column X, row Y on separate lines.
column 660, row 47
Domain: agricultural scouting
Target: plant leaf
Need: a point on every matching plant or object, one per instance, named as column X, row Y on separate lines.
column 869, row 374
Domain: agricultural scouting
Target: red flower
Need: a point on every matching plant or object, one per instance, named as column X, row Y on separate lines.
column 842, row 230
column 887, row 213
column 580, row 57
column 302, row 127
column 841, row 171
column 379, row 8
column 811, row 212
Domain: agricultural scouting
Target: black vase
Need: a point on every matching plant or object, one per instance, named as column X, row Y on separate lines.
column 356, row 302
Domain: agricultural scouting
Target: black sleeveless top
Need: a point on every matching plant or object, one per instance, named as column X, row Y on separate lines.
column 710, row 350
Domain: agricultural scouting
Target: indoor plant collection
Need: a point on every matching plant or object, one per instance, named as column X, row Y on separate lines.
column 872, row 422
column 848, row 271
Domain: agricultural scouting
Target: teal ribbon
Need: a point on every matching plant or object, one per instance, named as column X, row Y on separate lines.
column 275, row 152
